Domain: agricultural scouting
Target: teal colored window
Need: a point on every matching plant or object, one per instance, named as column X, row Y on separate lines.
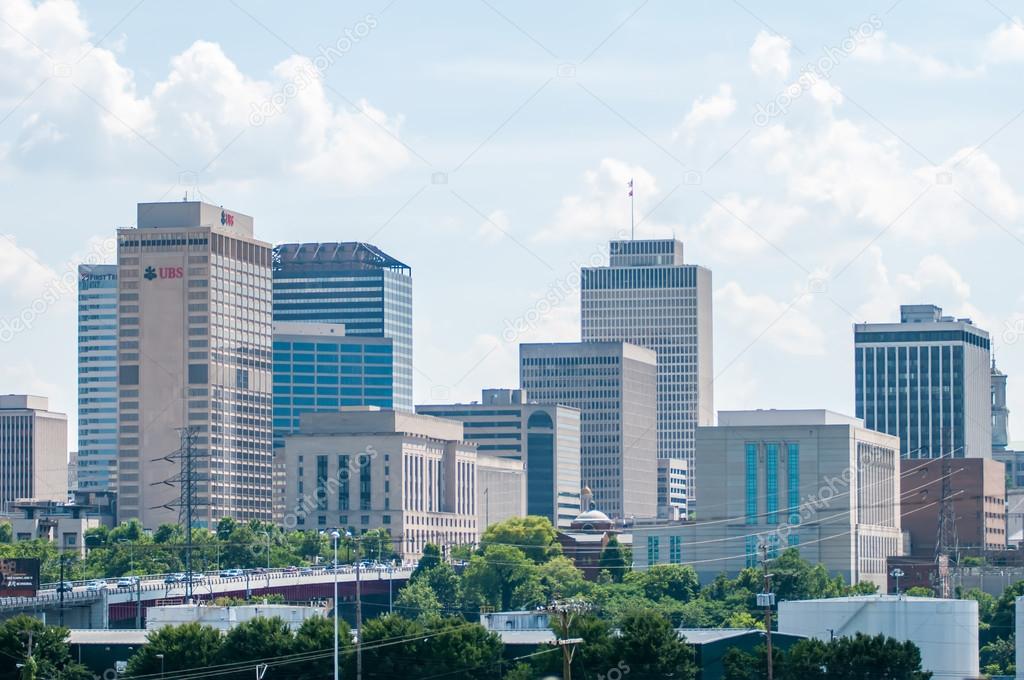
column 771, row 484
column 282, row 345
column 793, row 540
column 793, row 483
column 653, row 549
column 675, row 549
column 751, row 551
column 303, row 347
column 751, row 483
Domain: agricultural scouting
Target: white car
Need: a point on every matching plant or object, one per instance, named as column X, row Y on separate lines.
column 96, row 586
column 127, row 582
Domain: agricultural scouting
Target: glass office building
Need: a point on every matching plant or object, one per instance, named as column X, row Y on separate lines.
column 928, row 381
column 355, row 284
column 97, row 377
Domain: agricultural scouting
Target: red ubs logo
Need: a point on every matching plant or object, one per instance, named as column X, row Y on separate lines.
column 164, row 273
column 227, row 218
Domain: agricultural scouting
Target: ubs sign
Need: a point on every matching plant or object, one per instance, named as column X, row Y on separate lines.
column 164, row 273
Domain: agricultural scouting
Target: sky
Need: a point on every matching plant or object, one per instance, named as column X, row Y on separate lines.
column 828, row 163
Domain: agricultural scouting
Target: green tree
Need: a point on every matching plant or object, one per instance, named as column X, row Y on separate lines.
column 417, row 599
column 650, row 647
column 794, row 578
column 613, row 559
column 591, row 660
column 666, row 580
column 560, row 579
column 446, row 585
column 430, row 559
column 51, row 657
column 224, row 528
column 377, row 544
column 1003, row 621
column 986, row 609
column 999, row 657
column 533, row 535
column 316, row 634
column 188, row 647
column 865, row 657
column 255, row 639
column 502, row 577
column 919, row 591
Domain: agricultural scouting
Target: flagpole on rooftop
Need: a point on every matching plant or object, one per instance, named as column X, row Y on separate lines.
column 632, row 219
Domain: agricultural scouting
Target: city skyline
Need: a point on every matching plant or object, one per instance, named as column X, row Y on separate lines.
column 859, row 252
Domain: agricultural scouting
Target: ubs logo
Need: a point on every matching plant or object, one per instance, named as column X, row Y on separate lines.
column 227, row 218
column 164, row 273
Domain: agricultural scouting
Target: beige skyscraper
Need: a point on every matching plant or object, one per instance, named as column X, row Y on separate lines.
column 33, row 450
column 194, row 345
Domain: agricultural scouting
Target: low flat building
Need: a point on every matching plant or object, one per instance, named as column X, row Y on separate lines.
column 365, row 468
column 63, row 522
column 545, row 437
column 226, row 618
column 813, row 480
column 500, row 490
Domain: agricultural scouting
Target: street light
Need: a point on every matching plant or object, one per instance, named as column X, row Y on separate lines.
column 335, row 536
column 897, row 574
column 161, row 657
column 359, row 609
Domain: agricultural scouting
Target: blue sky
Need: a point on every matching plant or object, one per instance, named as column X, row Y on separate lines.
column 827, row 163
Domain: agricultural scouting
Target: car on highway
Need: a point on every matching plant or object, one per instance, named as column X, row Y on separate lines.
column 291, row 570
column 64, row 587
column 127, row 582
column 96, row 586
column 306, row 571
column 174, row 578
column 231, row 573
column 196, row 577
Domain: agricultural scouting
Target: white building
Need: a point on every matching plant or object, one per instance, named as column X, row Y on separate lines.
column 672, row 488
column 946, row 631
column 225, row 619
column 364, row 468
column 813, row 480
column 194, row 336
column 33, row 450
column 649, row 297
column 97, row 377
column 614, row 386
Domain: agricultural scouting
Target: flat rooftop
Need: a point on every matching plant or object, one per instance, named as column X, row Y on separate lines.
column 785, row 417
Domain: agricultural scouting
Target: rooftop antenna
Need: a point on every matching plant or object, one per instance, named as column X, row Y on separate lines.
column 632, row 220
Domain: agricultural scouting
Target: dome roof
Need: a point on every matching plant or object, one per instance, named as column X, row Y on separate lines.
column 586, row 490
column 592, row 516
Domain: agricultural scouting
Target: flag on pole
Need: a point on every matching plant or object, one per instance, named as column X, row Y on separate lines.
column 630, row 185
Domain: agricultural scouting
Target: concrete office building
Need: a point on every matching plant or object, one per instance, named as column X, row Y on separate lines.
column 500, row 490
column 319, row 368
column 544, row 437
column 97, row 376
column 648, row 296
column 614, row 386
column 364, row 468
column 355, row 284
column 1010, row 454
column 978, row 496
column 926, row 380
column 194, row 331
column 33, row 450
column 672, row 486
column 809, row 479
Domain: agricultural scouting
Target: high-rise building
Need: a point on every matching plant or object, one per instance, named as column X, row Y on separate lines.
column 194, row 351
column 355, row 284
column 614, row 386
column 812, row 480
column 33, row 450
column 926, row 380
column 364, row 468
column 545, row 437
column 1000, row 411
column 673, row 474
column 647, row 296
column 97, row 377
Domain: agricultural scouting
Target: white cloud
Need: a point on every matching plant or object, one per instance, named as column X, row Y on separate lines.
column 761, row 318
column 718, row 106
column 601, row 210
column 737, row 226
column 1006, row 43
column 494, row 228
column 21, row 271
column 769, row 55
column 878, row 48
column 88, row 113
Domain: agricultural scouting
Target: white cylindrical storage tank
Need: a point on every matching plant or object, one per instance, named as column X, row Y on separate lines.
column 946, row 631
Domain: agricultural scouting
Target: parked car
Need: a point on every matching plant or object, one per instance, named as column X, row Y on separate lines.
column 174, row 578
column 65, row 587
column 96, row 586
column 127, row 582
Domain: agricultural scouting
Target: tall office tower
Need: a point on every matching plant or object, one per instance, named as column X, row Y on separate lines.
column 194, row 351
column 355, row 284
column 928, row 381
column 614, row 385
column 647, row 296
column 97, row 377
column 1000, row 411
column 545, row 437
column 319, row 368
column 33, row 450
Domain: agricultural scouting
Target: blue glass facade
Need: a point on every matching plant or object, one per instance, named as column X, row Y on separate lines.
column 751, row 483
column 354, row 284
column 97, row 377
column 771, row 482
column 318, row 373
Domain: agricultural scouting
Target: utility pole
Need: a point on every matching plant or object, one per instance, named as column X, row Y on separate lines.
column 187, row 481
column 359, row 610
column 945, row 537
column 766, row 599
column 565, row 611
column 60, row 588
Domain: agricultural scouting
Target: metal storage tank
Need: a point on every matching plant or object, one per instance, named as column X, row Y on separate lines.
column 946, row 631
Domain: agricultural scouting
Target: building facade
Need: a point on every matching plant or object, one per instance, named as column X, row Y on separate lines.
column 673, row 474
column 64, row 522
column 33, row 450
column 544, row 437
column 97, row 377
column 649, row 297
column 363, row 468
column 500, row 490
column 355, row 284
column 194, row 351
column 926, row 380
column 812, row 480
column 614, row 386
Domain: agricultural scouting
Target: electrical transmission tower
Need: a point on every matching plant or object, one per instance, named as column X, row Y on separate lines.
column 945, row 538
column 187, row 481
